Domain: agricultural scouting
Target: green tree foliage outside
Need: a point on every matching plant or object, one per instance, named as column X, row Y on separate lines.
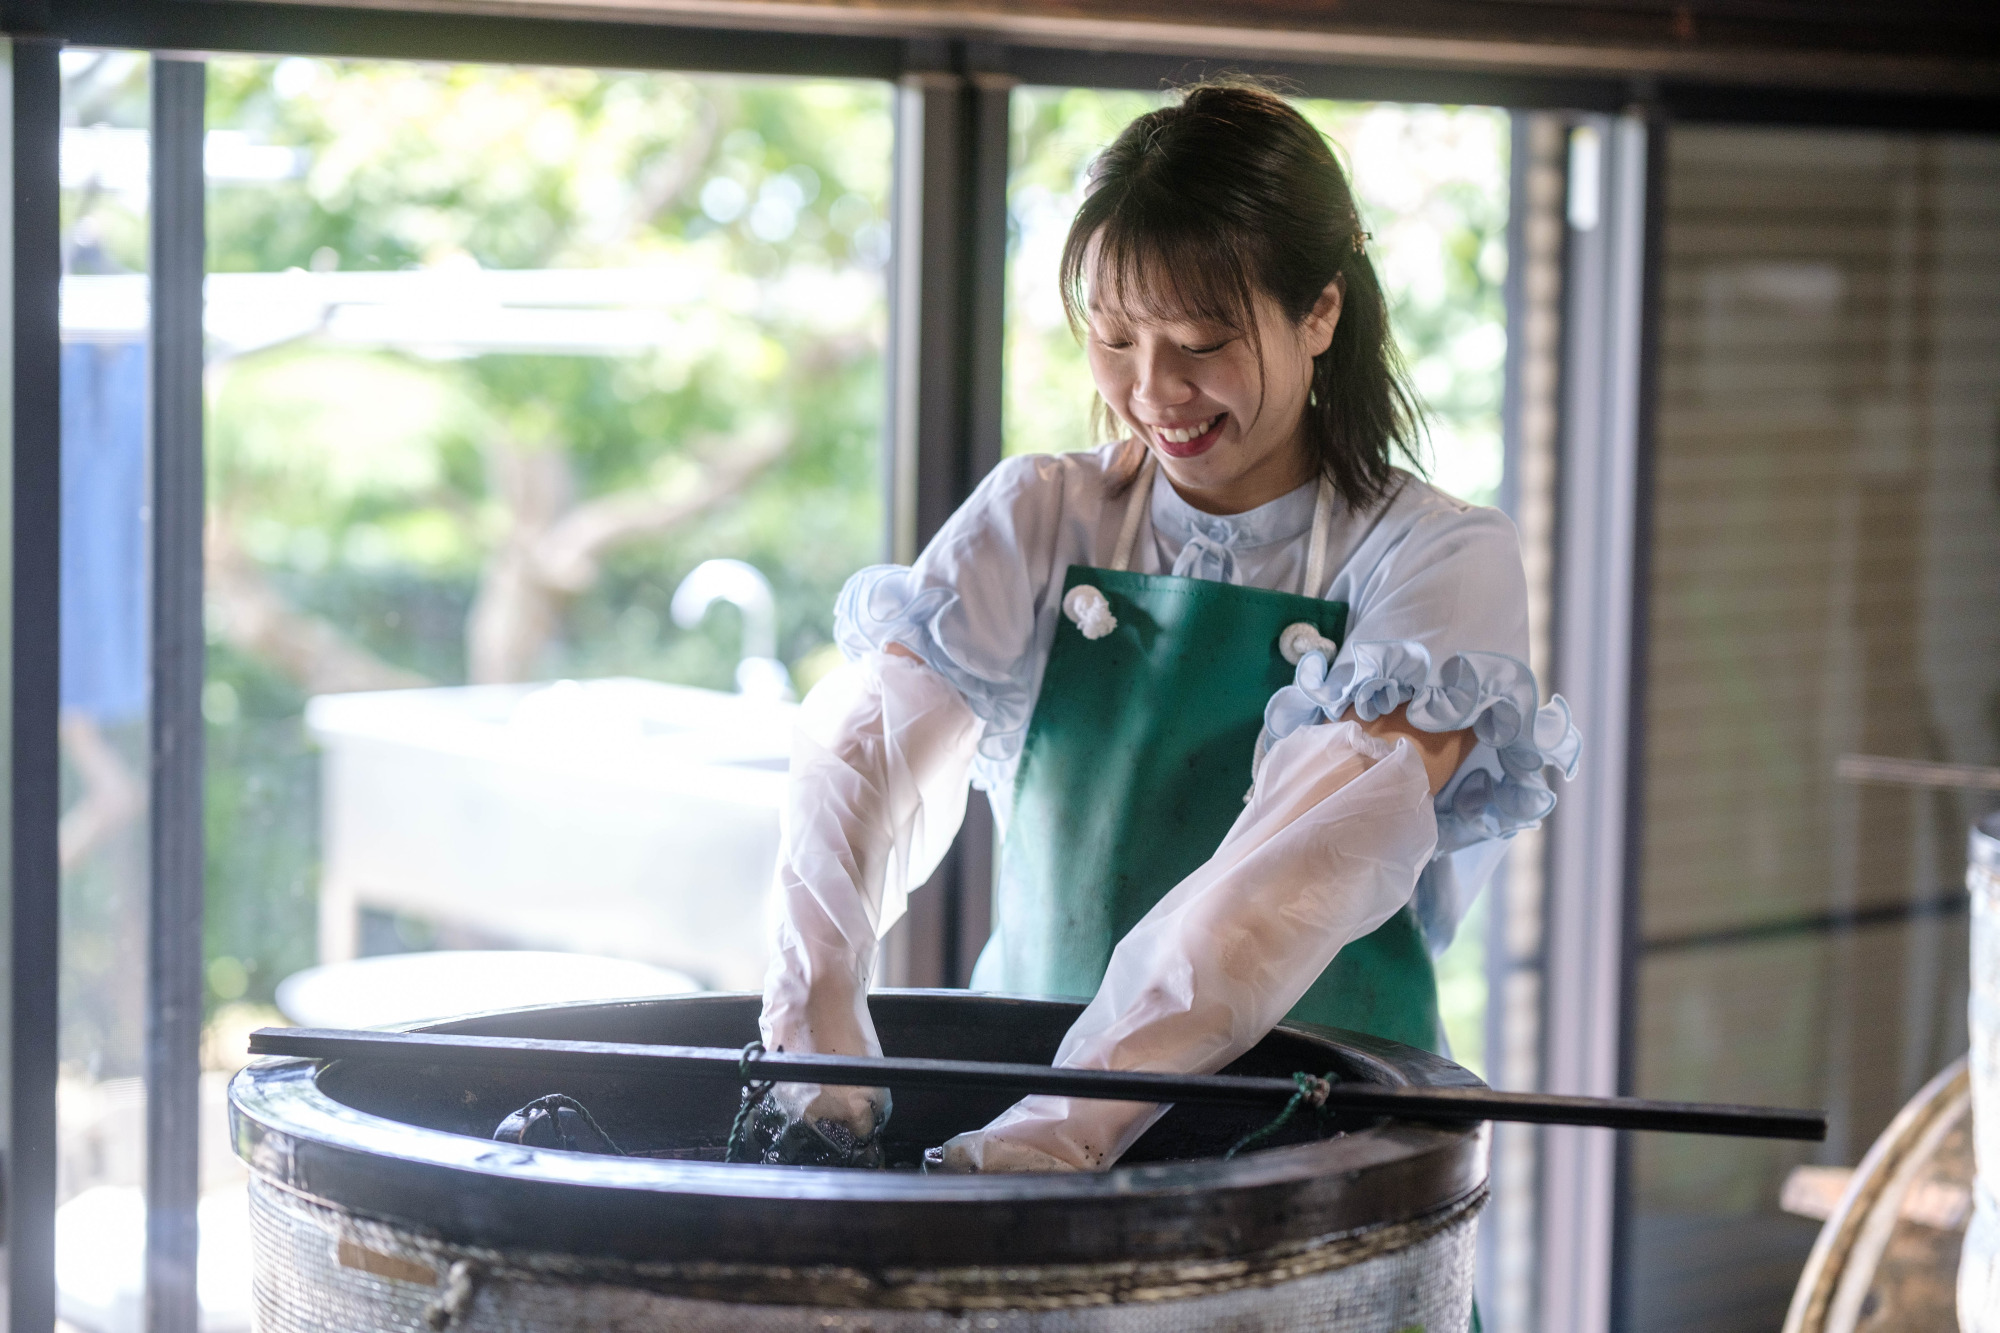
column 381, row 492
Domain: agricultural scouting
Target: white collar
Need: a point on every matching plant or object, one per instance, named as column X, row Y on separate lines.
column 1284, row 519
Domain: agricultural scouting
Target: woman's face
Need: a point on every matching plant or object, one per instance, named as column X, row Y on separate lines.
column 1224, row 414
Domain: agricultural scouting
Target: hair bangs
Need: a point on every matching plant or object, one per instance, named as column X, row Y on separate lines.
column 1151, row 254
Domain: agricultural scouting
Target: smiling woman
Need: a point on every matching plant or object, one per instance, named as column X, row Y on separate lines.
column 1114, row 643
column 1262, row 290
column 1215, row 334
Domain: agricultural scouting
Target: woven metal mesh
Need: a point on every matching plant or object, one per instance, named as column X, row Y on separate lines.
column 319, row 1270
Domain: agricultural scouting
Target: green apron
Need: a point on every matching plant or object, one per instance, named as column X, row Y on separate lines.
column 1136, row 763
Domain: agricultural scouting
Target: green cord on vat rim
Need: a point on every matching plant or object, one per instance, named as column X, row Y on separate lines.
column 1312, row 1091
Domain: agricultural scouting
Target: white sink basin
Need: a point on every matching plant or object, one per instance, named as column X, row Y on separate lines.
column 399, row 988
column 622, row 817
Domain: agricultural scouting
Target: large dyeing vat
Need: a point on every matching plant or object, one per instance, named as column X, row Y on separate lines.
column 379, row 1202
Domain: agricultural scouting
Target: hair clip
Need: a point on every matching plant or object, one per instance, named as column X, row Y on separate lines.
column 1361, row 239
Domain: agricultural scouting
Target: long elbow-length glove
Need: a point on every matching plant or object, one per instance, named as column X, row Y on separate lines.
column 1337, row 827
column 875, row 795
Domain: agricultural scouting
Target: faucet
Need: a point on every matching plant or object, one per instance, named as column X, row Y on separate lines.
column 759, row 673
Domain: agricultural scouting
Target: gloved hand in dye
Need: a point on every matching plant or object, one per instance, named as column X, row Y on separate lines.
column 815, row 1126
column 877, row 792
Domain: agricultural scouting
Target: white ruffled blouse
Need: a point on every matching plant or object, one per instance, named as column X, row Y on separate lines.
column 1437, row 618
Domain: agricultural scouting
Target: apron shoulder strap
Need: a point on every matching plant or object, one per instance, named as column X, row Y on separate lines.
column 1315, row 584
column 1135, row 508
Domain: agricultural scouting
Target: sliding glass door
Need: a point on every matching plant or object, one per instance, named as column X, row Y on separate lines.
column 1825, row 583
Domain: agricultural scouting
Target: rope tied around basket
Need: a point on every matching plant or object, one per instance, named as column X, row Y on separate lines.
column 754, row 1092
column 1313, row 1091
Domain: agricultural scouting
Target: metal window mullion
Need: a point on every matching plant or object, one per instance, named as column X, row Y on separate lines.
column 1648, row 225
column 925, row 404
column 1516, row 909
column 1600, row 528
column 991, row 96
column 948, row 307
column 174, row 971
column 929, row 382
column 32, row 586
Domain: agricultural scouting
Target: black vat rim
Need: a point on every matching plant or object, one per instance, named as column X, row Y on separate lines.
column 475, row 1192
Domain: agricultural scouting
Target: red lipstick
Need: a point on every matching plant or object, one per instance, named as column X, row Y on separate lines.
column 1192, row 448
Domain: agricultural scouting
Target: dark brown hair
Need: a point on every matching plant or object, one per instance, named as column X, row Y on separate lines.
column 1228, row 192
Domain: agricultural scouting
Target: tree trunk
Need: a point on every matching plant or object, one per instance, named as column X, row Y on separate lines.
column 517, row 611
column 254, row 617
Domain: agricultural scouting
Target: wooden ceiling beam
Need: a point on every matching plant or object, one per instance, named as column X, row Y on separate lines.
column 1924, row 47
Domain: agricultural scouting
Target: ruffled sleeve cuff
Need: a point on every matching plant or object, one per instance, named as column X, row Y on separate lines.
column 887, row 604
column 1501, row 787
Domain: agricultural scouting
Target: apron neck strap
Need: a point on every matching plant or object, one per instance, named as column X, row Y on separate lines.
column 1316, row 552
column 1135, row 508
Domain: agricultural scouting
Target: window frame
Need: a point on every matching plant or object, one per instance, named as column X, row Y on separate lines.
column 947, row 303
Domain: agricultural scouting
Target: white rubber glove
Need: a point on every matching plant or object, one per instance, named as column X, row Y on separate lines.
column 875, row 795
column 1337, row 827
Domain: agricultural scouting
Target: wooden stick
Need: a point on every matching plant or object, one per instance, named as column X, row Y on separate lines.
column 1418, row 1103
column 1915, row 773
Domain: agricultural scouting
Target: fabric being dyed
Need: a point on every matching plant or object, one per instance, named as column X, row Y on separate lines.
column 557, row 1121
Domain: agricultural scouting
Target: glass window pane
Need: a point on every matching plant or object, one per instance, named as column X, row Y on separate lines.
column 544, row 424
column 513, row 376
column 1826, row 547
column 1056, row 132
column 101, row 1091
